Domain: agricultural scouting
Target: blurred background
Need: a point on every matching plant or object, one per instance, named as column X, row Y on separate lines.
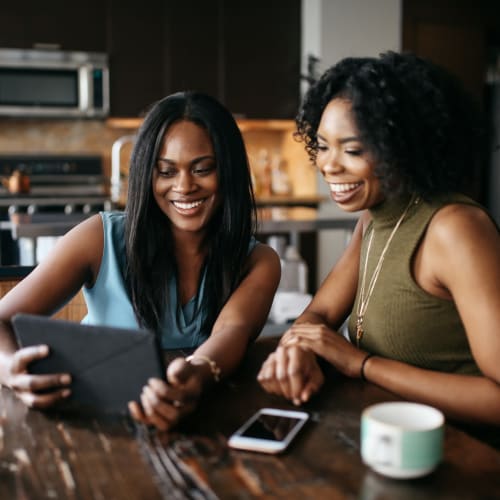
column 258, row 58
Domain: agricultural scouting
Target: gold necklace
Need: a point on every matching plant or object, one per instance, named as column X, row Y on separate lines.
column 364, row 299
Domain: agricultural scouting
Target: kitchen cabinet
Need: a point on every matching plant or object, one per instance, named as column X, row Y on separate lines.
column 458, row 35
column 247, row 54
column 136, row 55
column 55, row 23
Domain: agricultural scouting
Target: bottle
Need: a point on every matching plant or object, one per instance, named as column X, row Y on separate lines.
column 265, row 174
column 280, row 178
column 293, row 272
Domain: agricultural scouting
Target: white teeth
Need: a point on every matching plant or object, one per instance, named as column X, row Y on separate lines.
column 187, row 206
column 341, row 188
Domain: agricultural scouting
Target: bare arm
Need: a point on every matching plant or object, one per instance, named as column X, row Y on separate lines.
column 73, row 262
column 246, row 311
column 333, row 301
column 297, row 375
column 458, row 260
column 461, row 257
column 239, row 322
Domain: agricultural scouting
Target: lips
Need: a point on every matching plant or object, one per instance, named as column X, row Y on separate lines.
column 345, row 192
column 344, row 187
column 187, row 205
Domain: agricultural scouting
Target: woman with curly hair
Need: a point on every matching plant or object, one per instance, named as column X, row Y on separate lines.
column 394, row 137
column 181, row 261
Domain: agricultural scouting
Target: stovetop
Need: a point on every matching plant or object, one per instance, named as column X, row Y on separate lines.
column 55, row 180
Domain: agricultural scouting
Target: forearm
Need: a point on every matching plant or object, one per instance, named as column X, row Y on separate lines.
column 473, row 399
column 8, row 346
column 226, row 348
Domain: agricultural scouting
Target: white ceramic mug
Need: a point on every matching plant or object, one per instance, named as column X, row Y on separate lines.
column 402, row 440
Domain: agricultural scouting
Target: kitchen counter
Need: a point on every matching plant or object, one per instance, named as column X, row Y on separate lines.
column 270, row 220
column 14, row 272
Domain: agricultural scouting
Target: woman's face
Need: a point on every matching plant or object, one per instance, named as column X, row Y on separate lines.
column 185, row 182
column 346, row 165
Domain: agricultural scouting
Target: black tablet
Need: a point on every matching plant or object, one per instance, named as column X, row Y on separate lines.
column 109, row 366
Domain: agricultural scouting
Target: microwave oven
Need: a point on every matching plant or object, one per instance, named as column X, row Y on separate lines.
column 53, row 83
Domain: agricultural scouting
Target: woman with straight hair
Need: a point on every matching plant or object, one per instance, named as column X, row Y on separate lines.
column 181, row 261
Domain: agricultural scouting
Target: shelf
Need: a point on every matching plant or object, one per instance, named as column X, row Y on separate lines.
column 245, row 125
column 277, row 200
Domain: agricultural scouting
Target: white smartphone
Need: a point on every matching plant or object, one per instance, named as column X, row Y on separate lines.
column 270, row 430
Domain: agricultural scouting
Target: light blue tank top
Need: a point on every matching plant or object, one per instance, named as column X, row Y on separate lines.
column 108, row 302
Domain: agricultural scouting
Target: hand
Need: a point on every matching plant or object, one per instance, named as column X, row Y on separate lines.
column 163, row 404
column 27, row 386
column 292, row 372
column 328, row 344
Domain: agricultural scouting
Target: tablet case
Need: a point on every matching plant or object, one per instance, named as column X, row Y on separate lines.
column 109, row 366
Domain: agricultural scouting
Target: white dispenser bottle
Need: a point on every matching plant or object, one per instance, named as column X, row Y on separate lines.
column 293, row 271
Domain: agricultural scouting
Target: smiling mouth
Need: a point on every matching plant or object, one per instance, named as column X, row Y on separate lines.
column 183, row 205
column 344, row 187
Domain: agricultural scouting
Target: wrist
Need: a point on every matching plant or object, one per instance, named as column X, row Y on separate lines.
column 362, row 370
column 207, row 366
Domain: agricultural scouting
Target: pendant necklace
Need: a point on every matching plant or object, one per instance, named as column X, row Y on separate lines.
column 364, row 296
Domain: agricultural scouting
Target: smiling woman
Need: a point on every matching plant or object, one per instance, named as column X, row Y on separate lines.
column 394, row 137
column 181, row 261
column 185, row 181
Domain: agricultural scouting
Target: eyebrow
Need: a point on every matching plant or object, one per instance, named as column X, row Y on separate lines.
column 195, row 160
column 341, row 141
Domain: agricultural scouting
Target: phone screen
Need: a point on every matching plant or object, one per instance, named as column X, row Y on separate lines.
column 270, row 430
column 271, row 427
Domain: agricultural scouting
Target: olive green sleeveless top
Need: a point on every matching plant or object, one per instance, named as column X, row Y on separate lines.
column 402, row 321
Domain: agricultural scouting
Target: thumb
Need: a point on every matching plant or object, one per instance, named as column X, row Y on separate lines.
column 179, row 371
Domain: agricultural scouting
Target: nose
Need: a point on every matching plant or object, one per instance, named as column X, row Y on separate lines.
column 331, row 163
column 183, row 182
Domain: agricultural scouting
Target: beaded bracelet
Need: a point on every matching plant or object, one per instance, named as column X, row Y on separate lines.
column 213, row 365
column 363, row 363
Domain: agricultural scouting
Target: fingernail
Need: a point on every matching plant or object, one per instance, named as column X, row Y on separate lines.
column 43, row 349
column 66, row 393
column 65, row 379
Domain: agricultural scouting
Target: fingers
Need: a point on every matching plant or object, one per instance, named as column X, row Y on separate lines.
column 179, row 371
column 312, row 385
column 296, row 375
column 36, row 391
column 23, row 357
column 285, row 372
column 162, row 404
column 43, row 401
column 26, row 382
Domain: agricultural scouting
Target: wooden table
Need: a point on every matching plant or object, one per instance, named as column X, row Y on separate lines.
column 44, row 456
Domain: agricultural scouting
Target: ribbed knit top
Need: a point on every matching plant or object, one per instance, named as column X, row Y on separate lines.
column 402, row 321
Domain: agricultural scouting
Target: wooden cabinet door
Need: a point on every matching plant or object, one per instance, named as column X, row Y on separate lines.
column 262, row 58
column 136, row 55
column 79, row 26
column 247, row 54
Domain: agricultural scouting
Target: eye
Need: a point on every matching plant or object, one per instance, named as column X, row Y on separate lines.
column 321, row 147
column 354, row 152
column 203, row 170
column 165, row 170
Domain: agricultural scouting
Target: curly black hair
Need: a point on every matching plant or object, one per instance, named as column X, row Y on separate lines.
column 424, row 130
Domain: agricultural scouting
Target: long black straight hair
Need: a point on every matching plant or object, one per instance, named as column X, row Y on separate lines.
column 148, row 236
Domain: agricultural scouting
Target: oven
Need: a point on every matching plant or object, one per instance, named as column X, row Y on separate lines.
column 42, row 197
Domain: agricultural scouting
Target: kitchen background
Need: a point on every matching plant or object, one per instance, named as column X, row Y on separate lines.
column 256, row 57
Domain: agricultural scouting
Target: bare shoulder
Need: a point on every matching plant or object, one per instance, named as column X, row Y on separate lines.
column 88, row 233
column 83, row 246
column 458, row 223
column 264, row 253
